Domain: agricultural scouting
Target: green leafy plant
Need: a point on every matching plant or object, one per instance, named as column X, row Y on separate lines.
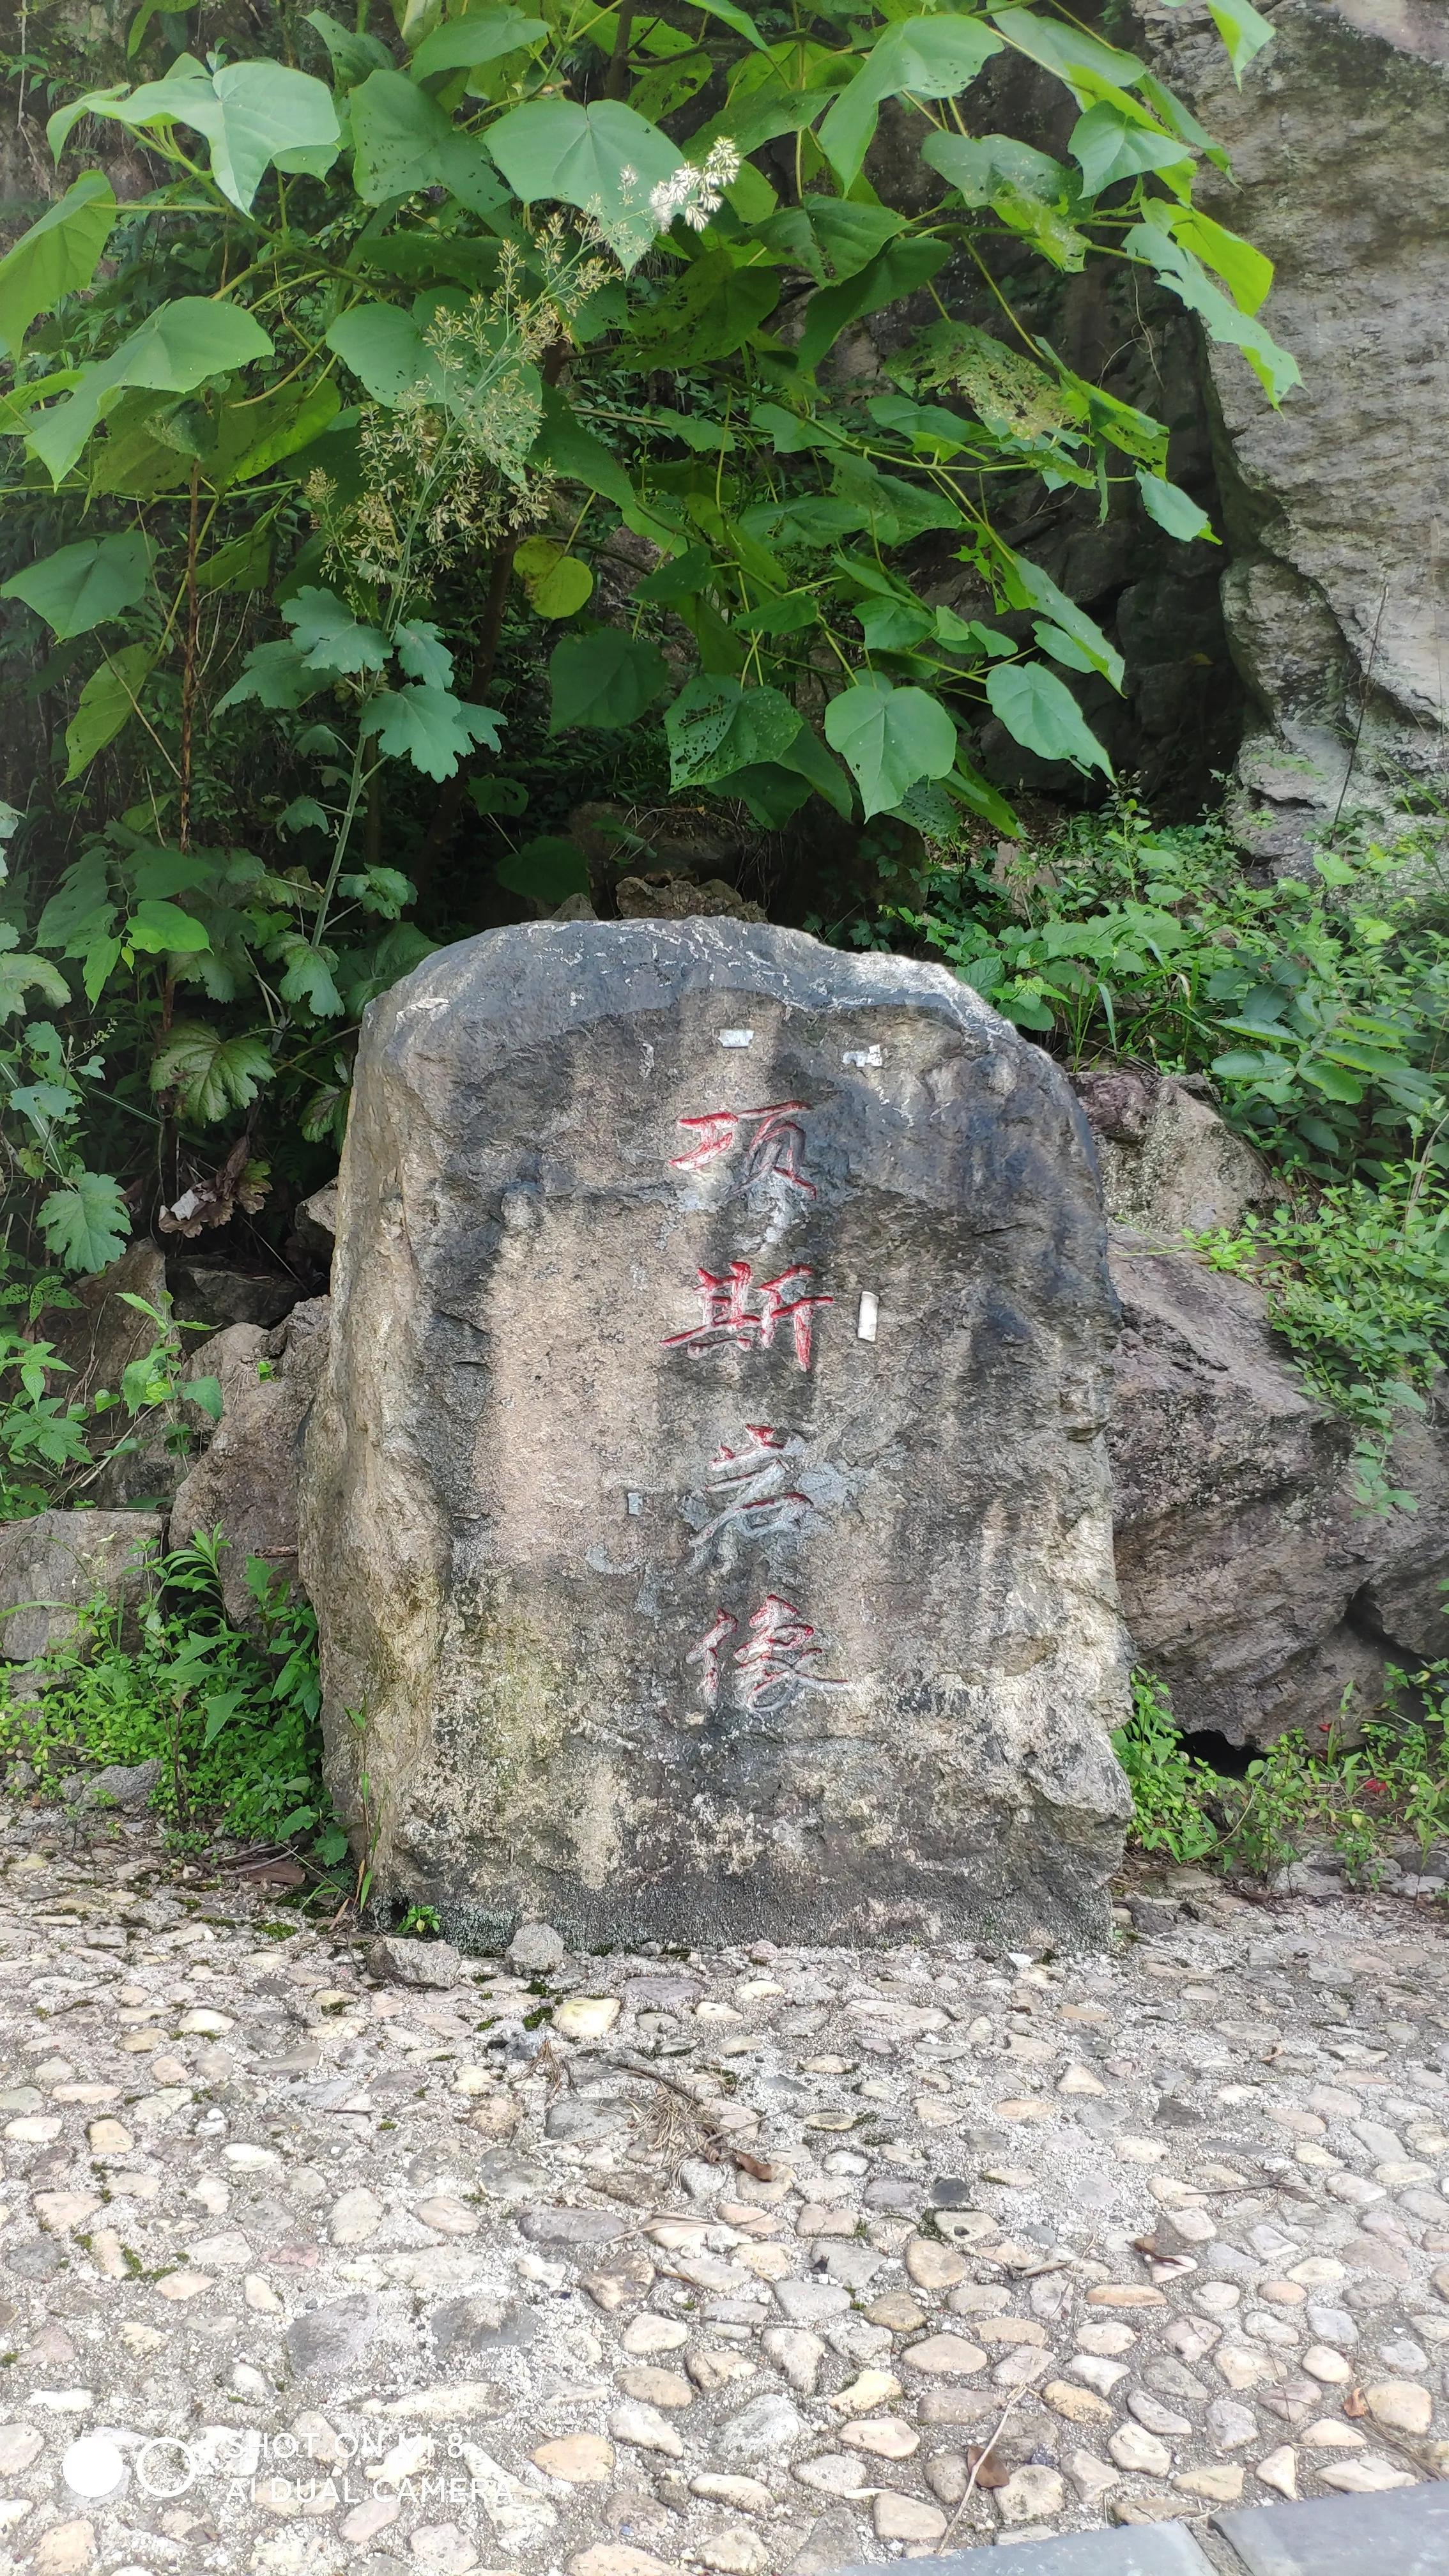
column 50, row 1451
column 232, row 1716
column 1170, row 1787
column 1358, row 1285
column 1368, row 1787
column 328, row 447
column 421, row 1922
column 1116, row 935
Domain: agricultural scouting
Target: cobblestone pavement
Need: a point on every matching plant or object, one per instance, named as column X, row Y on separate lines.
column 730, row 2261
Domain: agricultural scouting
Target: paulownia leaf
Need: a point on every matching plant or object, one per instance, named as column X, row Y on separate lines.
column 558, row 584
column 605, row 680
column 173, row 351
column 107, row 702
column 715, row 726
column 482, row 37
column 57, row 257
column 1173, row 509
column 1177, row 268
column 888, row 738
column 429, row 727
column 602, row 158
column 84, row 585
column 545, row 871
column 1040, row 712
column 211, row 1074
column 253, row 114
column 920, row 58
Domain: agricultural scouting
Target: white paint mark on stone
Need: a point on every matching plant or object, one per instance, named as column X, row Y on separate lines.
column 869, row 1316
column 636, row 1505
column 863, row 1056
column 737, row 1037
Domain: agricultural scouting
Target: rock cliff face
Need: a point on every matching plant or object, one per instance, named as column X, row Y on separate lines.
column 706, row 1501
column 1337, row 507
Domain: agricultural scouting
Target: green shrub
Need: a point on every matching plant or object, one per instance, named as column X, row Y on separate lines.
column 233, row 1718
column 1151, row 943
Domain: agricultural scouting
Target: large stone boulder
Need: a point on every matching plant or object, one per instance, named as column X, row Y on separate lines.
column 1335, row 597
column 246, row 1482
column 1252, row 1582
column 706, row 1503
column 54, row 1566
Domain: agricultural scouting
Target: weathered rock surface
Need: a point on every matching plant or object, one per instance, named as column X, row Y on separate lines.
column 1335, row 598
column 51, row 1567
column 706, row 1496
column 246, row 1480
column 1251, row 1582
column 1170, row 1165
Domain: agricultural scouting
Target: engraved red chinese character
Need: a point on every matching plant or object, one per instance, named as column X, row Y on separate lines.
column 708, row 1653
column 752, row 1485
column 776, row 1662
column 777, row 1144
column 730, row 1315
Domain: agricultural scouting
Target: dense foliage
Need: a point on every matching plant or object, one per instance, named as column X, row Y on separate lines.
column 500, row 331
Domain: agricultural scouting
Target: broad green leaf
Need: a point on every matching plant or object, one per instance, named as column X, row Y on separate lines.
column 352, row 55
column 605, row 680
column 850, row 235
column 1177, row 268
column 602, row 158
column 163, row 929
column 918, row 58
column 713, row 310
column 329, row 638
column 385, row 349
column 245, row 564
column 740, row 19
column 405, row 141
column 558, row 584
column 546, row 871
column 1246, row 272
column 896, row 271
column 20, row 975
column 86, row 1223
column 57, row 257
column 1027, row 586
column 1082, row 61
column 575, row 453
column 209, row 1073
column 85, row 585
column 423, row 654
column 1172, row 508
column 981, row 166
column 482, row 37
column 888, row 738
column 807, row 756
column 1009, row 392
column 1107, row 144
column 1040, row 712
column 715, row 726
column 82, row 896
column 282, row 427
column 107, row 702
column 274, row 675
column 253, row 114
column 429, row 727
column 1242, row 30
column 174, row 350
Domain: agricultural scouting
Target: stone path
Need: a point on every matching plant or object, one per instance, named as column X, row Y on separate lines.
column 731, row 2262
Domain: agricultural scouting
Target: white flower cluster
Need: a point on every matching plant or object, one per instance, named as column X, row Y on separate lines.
column 695, row 193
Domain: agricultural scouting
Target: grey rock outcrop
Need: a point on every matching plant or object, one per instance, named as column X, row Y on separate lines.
column 1337, row 596
column 245, row 1483
column 1170, row 1165
column 1251, row 1583
column 53, row 1566
column 706, row 1498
